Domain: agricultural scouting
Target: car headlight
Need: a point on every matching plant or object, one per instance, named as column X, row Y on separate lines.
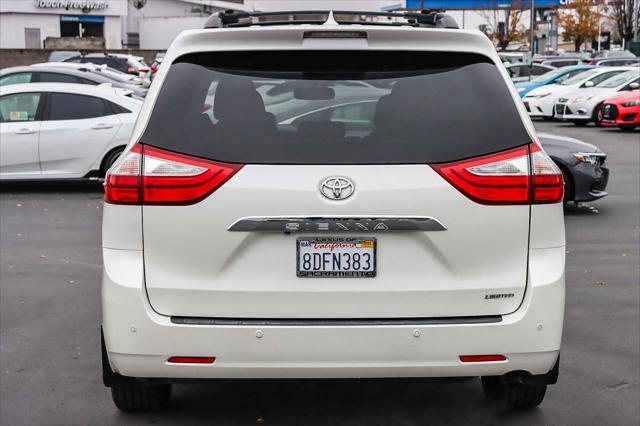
column 588, row 157
column 631, row 103
column 581, row 99
column 540, row 96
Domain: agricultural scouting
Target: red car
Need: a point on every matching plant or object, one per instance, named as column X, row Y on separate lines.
column 622, row 111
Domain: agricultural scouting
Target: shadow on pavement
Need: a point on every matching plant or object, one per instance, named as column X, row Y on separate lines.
column 51, row 186
column 327, row 402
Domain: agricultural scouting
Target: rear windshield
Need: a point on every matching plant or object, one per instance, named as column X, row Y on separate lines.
column 334, row 107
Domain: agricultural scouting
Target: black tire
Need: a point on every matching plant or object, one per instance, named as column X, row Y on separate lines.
column 568, row 187
column 525, row 396
column 598, row 115
column 493, row 386
column 135, row 397
column 109, row 159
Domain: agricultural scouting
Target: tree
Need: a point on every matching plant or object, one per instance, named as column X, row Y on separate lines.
column 621, row 13
column 580, row 21
column 509, row 30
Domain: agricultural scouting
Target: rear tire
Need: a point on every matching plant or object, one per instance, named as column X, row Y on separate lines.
column 525, row 396
column 135, row 397
column 493, row 386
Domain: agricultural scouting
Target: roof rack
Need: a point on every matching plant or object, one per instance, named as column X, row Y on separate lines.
column 423, row 18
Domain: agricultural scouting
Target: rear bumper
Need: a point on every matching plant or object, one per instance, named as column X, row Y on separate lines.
column 139, row 341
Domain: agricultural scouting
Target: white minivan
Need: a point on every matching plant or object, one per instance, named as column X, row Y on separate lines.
column 332, row 201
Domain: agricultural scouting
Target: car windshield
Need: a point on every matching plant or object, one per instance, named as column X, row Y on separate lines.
column 316, row 107
column 577, row 79
column 548, row 76
column 618, row 80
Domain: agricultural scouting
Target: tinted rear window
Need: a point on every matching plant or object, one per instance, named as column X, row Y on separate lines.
column 334, row 108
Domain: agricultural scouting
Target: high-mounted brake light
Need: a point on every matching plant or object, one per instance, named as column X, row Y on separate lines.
column 523, row 175
column 152, row 176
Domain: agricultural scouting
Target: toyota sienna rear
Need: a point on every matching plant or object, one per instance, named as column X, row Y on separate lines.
column 332, row 201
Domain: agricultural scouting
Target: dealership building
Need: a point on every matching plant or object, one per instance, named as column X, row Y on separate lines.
column 153, row 24
column 28, row 23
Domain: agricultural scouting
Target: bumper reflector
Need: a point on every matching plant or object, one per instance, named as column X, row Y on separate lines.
column 191, row 360
column 482, row 358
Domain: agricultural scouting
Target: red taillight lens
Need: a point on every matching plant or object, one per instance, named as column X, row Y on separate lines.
column 131, row 70
column 505, row 178
column 152, row 176
column 482, row 358
column 123, row 181
column 548, row 182
column 191, row 360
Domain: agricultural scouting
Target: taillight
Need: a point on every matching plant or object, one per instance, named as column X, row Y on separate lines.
column 548, row 182
column 152, row 176
column 523, row 175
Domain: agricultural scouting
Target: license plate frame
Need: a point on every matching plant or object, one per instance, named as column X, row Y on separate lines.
column 337, row 274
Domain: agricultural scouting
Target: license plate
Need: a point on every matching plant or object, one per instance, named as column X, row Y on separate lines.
column 336, row 257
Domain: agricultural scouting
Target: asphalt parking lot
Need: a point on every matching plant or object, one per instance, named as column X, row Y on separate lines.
column 50, row 268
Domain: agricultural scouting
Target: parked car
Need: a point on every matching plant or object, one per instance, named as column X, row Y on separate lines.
column 562, row 62
column 157, row 61
column 555, row 76
column 582, row 165
column 616, row 62
column 511, row 57
column 129, row 64
column 611, row 54
column 622, row 110
column 524, row 72
column 540, row 102
column 60, row 55
column 564, row 56
column 61, row 130
column 585, row 105
column 241, row 249
column 108, row 72
column 52, row 74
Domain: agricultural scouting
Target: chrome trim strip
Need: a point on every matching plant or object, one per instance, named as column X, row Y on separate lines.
column 487, row 319
column 333, row 224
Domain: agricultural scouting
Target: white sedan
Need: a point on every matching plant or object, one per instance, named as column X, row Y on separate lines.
column 63, row 131
column 540, row 102
column 584, row 106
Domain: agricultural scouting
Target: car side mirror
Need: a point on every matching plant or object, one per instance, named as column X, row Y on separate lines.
column 634, row 86
column 588, row 84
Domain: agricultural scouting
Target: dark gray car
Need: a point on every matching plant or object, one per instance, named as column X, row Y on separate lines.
column 582, row 164
column 53, row 74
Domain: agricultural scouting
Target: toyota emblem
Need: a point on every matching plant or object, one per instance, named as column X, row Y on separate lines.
column 337, row 188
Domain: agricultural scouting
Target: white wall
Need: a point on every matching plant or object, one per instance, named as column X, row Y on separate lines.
column 12, row 27
column 158, row 33
column 113, row 32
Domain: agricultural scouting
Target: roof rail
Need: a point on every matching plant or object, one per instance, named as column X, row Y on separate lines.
column 423, row 18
